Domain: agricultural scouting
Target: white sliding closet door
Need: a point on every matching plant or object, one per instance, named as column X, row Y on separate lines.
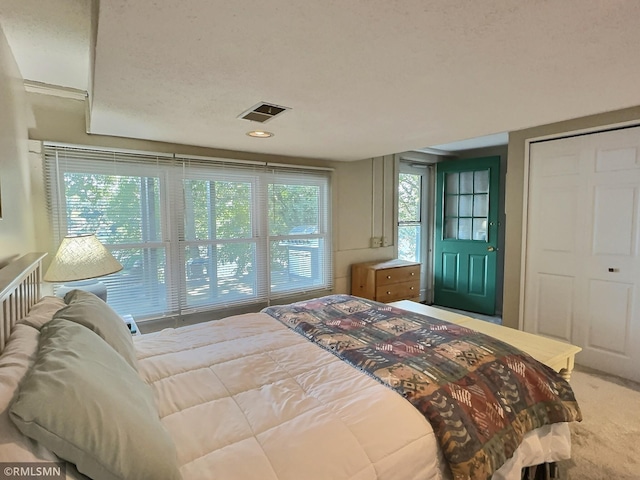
column 582, row 272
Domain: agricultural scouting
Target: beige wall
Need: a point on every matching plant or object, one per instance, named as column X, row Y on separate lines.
column 360, row 210
column 17, row 235
column 514, row 196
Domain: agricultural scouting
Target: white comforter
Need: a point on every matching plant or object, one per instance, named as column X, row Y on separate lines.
column 247, row 398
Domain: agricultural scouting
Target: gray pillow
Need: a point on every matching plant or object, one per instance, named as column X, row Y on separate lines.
column 82, row 401
column 86, row 309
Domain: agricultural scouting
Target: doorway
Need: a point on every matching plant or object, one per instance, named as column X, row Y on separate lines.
column 466, row 239
column 416, row 216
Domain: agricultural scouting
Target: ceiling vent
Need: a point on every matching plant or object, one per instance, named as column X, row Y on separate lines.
column 263, row 112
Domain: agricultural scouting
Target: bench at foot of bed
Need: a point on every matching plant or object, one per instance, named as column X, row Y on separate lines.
column 553, row 353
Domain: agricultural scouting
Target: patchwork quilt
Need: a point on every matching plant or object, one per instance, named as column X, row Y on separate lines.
column 480, row 395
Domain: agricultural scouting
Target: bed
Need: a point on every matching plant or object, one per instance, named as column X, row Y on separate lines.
column 245, row 397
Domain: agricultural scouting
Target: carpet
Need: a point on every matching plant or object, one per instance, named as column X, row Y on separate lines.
column 606, row 444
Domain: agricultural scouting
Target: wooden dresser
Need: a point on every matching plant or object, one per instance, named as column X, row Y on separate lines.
column 386, row 281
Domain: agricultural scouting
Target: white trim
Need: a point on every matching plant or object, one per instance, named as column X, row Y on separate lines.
column 87, row 115
column 525, row 225
column 525, row 193
column 180, row 156
column 304, row 167
column 35, row 146
column 585, row 131
column 384, row 201
column 436, row 151
column 100, row 149
column 373, row 203
column 419, row 157
column 55, row 90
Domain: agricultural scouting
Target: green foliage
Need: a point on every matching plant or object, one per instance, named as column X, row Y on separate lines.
column 126, row 209
column 292, row 206
column 409, row 202
column 292, row 209
column 111, row 206
column 409, row 192
column 221, row 210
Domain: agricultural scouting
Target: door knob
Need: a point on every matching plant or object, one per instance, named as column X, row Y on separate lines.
column 490, row 249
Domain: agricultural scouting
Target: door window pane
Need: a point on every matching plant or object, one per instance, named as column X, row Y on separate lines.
column 480, row 229
column 480, row 205
column 451, row 228
column 464, row 229
column 481, row 181
column 452, row 180
column 466, row 205
column 466, row 182
column 451, row 206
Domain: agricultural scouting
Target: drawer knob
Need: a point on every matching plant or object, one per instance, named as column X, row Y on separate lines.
column 388, row 276
column 388, row 293
column 413, row 273
column 411, row 288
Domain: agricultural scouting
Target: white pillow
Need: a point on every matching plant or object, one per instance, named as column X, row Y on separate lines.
column 43, row 311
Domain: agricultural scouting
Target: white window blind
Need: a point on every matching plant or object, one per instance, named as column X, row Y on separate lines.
column 194, row 234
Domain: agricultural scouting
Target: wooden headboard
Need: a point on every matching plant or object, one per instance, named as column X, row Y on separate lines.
column 19, row 291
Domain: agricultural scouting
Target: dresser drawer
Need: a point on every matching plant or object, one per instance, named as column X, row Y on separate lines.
column 390, row 276
column 386, row 281
column 395, row 291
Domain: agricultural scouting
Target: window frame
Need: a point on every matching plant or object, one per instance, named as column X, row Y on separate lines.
column 172, row 171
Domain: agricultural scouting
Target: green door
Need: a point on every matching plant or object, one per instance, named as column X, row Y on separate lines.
column 466, row 234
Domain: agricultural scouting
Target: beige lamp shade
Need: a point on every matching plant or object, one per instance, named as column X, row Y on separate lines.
column 79, row 258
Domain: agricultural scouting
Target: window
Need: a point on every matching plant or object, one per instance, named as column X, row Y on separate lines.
column 410, row 217
column 466, row 205
column 194, row 234
column 415, row 219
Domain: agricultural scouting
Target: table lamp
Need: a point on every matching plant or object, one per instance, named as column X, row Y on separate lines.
column 80, row 259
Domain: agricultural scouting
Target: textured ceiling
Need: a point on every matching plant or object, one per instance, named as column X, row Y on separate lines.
column 362, row 78
column 49, row 39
